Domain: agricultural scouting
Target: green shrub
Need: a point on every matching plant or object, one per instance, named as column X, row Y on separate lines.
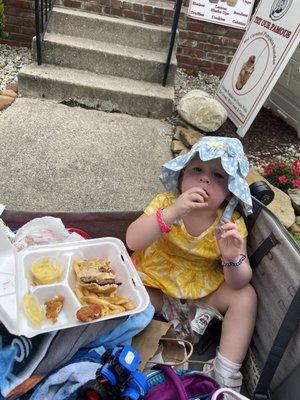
column 1, row 17
column 297, row 237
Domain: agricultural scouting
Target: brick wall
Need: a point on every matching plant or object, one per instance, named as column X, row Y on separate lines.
column 19, row 27
column 204, row 46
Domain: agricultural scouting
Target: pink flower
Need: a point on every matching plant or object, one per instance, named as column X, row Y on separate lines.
column 296, row 183
column 296, row 164
column 296, row 167
column 283, row 179
column 279, row 165
column 268, row 169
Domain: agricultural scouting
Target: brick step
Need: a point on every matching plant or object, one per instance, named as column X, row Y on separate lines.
column 107, row 29
column 106, row 58
column 102, row 92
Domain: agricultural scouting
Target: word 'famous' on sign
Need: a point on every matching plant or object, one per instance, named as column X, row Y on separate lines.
column 273, row 27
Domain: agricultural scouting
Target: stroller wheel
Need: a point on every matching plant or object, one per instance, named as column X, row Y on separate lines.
column 93, row 390
column 92, row 395
column 262, row 192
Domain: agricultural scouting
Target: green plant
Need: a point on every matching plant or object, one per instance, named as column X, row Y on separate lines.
column 1, row 18
column 282, row 175
column 297, row 237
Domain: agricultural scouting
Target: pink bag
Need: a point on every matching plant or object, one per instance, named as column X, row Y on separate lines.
column 218, row 395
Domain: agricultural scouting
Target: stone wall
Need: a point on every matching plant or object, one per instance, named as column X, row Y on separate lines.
column 202, row 46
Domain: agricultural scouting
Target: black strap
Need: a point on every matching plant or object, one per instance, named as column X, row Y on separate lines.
column 285, row 332
column 262, row 250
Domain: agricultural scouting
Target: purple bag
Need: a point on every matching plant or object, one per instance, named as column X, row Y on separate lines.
column 167, row 384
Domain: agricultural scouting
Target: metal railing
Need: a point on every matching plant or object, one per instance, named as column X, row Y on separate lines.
column 177, row 9
column 43, row 10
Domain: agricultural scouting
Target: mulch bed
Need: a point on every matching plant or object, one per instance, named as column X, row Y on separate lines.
column 267, row 136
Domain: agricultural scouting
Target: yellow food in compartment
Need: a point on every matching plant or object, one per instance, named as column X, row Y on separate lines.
column 45, row 271
column 33, row 309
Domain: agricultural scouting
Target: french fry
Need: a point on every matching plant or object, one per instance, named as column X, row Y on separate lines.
column 129, row 305
column 78, row 293
column 94, row 300
column 117, row 311
column 118, row 300
column 84, row 291
column 105, row 311
column 87, row 292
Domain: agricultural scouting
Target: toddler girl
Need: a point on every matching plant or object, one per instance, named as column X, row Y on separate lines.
column 190, row 245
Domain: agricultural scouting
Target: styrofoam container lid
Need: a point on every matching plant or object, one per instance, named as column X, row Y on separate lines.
column 16, row 281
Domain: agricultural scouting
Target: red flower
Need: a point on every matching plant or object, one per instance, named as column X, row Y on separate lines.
column 296, row 183
column 283, row 179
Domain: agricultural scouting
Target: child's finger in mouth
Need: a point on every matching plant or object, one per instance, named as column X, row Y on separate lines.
column 205, row 192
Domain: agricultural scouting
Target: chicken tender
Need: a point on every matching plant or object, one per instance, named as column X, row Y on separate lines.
column 53, row 308
column 89, row 312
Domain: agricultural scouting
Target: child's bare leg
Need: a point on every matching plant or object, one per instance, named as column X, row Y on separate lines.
column 156, row 298
column 239, row 310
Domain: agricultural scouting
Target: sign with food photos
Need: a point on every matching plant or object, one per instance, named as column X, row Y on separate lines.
column 264, row 51
column 234, row 13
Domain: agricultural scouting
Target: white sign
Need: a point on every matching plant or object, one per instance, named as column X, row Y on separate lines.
column 234, row 13
column 263, row 53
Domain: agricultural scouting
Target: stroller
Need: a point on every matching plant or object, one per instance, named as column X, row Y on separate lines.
column 272, row 367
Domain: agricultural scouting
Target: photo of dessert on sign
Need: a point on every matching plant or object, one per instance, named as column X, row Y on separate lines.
column 231, row 3
column 250, row 66
column 245, row 73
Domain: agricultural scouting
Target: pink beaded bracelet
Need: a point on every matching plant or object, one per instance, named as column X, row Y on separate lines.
column 163, row 226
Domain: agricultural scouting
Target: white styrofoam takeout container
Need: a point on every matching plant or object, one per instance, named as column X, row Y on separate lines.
column 16, row 281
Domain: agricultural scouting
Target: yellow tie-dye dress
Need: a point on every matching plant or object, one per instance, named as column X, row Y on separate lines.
column 181, row 265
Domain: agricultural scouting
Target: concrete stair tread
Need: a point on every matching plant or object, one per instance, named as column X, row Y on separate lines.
column 108, row 82
column 112, row 19
column 110, row 48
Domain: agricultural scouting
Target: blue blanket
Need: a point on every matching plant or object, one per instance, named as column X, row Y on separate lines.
column 22, row 358
column 65, row 382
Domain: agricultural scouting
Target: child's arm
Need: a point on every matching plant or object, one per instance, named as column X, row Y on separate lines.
column 233, row 249
column 145, row 230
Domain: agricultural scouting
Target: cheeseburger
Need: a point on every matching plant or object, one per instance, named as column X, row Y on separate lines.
column 96, row 275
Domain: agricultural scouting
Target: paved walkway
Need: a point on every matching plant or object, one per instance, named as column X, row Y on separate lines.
column 59, row 158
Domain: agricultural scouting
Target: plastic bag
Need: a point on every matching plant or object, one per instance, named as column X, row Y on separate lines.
column 41, row 231
column 189, row 318
column 9, row 233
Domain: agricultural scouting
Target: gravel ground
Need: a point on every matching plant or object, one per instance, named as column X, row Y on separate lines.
column 11, row 60
column 279, row 142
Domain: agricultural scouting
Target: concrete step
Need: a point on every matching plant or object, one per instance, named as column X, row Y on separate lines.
column 122, row 31
column 106, row 58
column 102, row 92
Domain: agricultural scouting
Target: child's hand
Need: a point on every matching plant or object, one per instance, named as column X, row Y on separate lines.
column 229, row 240
column 192, row 199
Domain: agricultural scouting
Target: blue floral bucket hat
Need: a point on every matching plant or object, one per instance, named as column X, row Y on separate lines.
column 233, row 160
